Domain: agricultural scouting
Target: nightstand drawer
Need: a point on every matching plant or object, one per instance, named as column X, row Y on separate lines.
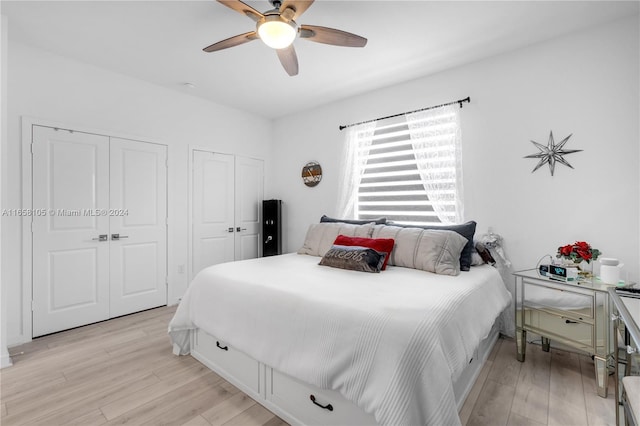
column 559, row 298
column 564, row 327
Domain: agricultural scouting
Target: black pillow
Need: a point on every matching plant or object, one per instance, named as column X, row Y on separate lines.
column 465, row 229
column 354, row 258
column 377, row 221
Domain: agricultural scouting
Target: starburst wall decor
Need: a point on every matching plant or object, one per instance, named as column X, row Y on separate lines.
column 552, row 153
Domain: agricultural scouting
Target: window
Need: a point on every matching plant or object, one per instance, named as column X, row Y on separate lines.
column 407, row 169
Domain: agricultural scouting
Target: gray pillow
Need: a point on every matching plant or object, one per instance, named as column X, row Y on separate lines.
column 377, row 221
column 354, row 258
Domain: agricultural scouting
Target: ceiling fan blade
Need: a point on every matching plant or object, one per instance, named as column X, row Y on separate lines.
column 298, row 7
column 288, row 59
column 232, row 41
column 243, row 8
column 331, row 36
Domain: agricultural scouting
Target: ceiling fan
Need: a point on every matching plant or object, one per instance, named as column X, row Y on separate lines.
column 277, row 28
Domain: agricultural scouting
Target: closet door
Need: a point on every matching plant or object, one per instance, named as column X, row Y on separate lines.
column 100, row 229
column 138, row 226
column 70, row 245
column 249, row 178
column 226, row 203
column 213, row 227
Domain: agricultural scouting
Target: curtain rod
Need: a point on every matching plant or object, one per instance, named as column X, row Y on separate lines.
column 459, row 101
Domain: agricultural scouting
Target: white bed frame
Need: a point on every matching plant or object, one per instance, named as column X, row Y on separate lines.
column 300, row 403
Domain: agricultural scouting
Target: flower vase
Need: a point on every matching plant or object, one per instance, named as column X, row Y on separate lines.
column 568, row 263
column 585, row 269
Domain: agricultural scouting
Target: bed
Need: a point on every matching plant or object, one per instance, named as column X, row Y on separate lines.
column 322, row 345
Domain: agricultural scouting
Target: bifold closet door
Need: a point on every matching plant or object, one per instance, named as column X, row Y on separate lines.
column 70, row 244
column 226, row 203
column 138, row 226
column 100, row 232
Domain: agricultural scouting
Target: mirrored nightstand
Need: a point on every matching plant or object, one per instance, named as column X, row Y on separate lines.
column 574, row 313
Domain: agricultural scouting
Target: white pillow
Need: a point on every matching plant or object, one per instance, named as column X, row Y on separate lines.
column 429, row 250
column 320, row 236
column 439, row 251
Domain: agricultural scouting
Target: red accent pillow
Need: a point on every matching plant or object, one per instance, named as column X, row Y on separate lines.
column 384, row 245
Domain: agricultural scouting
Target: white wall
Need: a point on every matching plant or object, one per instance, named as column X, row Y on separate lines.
column 585, row 84
column 50, row 87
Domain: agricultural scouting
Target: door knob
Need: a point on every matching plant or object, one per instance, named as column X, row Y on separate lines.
column 116, row 237
column 230, row 229
column 101, row 237
column 238, row 229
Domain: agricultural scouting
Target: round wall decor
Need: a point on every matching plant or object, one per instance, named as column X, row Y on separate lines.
column 311, row 173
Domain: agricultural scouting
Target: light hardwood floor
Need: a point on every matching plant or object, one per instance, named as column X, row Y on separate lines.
column 549, row 388
column 122, row 371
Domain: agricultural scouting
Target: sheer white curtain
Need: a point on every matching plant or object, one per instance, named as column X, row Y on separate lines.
column 358, row 139
column 436, row 139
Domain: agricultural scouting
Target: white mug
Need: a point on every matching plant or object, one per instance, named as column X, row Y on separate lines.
column 610, row 270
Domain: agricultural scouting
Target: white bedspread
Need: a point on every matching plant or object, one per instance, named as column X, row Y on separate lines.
column 392, row 343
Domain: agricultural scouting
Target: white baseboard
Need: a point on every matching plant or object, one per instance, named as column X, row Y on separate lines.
column 5, row 359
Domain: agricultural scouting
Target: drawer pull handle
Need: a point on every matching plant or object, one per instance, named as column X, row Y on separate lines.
column 326, row 407
column 570, row 322
column 224, row 348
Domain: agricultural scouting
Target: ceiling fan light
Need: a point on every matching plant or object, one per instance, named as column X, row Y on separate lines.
column 276, row 33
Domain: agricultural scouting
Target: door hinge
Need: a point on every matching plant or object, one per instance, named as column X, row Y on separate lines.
column 31, row 225
column 31, row 148
column 33, row 303
column 166, row 281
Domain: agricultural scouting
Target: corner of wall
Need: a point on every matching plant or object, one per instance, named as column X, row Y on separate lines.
column 5, row 359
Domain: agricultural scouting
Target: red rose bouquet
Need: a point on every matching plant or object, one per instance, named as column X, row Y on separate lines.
column 577, row 252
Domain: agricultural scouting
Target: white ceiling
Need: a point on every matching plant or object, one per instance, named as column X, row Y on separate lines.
column 161, row 42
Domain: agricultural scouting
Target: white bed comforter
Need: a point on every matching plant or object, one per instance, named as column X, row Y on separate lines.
column 392, row 343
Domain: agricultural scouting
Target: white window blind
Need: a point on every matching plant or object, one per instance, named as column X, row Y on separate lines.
column 410, row 169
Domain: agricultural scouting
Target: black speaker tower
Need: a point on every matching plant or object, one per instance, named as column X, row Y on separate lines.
column 271, row 227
